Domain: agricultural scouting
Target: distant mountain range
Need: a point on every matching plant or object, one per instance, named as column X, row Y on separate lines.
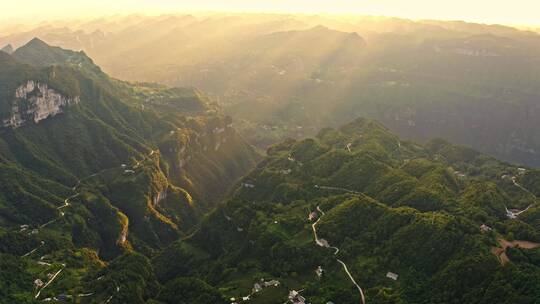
column 286, row 75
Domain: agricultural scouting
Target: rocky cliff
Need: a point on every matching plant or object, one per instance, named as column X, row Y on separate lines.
column 35, row 101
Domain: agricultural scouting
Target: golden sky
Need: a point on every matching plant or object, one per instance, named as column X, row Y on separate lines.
column 521, row 12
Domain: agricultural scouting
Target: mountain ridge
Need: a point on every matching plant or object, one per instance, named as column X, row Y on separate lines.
column 411, row 224
column 7, row 49
column 104, row 141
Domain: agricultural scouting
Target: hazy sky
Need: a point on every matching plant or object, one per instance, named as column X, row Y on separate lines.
column 522, row 12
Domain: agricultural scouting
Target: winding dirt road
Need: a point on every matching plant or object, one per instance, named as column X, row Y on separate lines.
column 324, row 243
column 49, row 282
column 522, row 188
column 337, row 189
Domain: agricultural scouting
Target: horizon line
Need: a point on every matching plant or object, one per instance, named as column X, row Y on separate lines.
column 33, row 21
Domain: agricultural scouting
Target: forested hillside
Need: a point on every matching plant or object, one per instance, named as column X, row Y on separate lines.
column 434, row 223
column 92, row 167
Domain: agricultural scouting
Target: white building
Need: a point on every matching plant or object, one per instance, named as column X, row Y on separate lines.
column 319, row 271
column 323, row 243
column 257, row 287
column 485, row 228
column 296, row 298
column 274, row 283
column 38, row 283
column 392, row 276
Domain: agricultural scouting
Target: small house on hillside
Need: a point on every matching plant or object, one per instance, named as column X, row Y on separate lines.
column 296, row 298
column 274, row 283
column 257, row 287
column 248, row 185
column 485, row 228
column 38, row 283
column 319, row 271
column 323, row 243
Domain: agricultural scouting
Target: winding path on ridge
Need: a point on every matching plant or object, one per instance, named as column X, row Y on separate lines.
column 322, row 243
column 49, row 282
column 522, row 188
column 512, row 213
column 74, row 188
column 337, row 189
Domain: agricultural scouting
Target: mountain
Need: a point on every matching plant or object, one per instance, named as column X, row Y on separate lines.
column 285, row 76
column 136, row 192
column 355, row 212
column 92, row 167
column 37, row 52
column 410, row 223
column 7, row 49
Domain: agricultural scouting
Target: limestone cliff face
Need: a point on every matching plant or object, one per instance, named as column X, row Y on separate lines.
column 159, row 197
column 35, row 102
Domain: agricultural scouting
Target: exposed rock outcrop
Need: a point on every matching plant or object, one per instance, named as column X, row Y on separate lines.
column 35, row 102
column 159, row 197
